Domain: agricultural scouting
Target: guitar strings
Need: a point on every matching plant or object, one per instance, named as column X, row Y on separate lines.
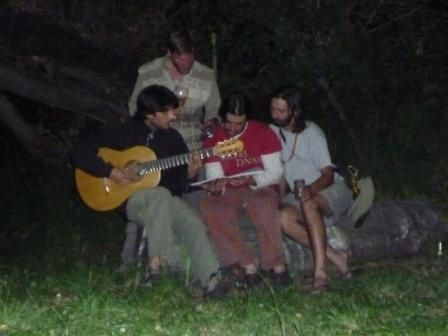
column 174, row 161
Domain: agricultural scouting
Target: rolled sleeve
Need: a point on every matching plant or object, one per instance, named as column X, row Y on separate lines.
column 273, row 170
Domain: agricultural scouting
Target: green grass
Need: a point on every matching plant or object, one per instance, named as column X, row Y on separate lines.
column 56, row 278
column 402, row 297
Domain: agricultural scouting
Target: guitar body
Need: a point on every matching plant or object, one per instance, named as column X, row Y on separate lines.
column 103, row 194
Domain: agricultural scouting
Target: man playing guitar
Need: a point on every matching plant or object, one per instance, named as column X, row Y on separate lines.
column 166, row 218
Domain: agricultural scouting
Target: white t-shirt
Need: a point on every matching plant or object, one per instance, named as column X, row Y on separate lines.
column 303, row 154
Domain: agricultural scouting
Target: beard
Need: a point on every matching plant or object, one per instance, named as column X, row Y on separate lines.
column 282, row 122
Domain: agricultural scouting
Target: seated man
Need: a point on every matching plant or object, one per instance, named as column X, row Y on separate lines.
column 167, row 219
column 254, row 194
column 325, row 196
column 178, row 69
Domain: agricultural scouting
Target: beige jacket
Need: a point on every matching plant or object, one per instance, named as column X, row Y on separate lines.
column 203, row 96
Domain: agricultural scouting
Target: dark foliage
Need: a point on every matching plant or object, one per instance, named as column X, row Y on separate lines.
column 385, row 64
column 42, row 221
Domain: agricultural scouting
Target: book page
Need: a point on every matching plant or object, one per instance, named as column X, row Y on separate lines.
column 245, row 173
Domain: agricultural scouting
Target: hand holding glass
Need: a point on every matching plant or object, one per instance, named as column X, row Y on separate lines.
column 299, row 185
column 181, row 93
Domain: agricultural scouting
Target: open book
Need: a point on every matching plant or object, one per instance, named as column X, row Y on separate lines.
column 250, row 172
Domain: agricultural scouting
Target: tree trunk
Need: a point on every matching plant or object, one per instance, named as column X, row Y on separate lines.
column 63, row 94
column 391, row 229
column 24, row 132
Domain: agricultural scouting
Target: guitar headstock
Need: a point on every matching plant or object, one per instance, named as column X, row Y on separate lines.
column 228, row 147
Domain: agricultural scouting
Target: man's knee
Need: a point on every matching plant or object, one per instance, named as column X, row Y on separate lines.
column 311, row 206
column 210, row 205
column 288, row 215
column 266, row 195
column 159, row 193
column 154, row 195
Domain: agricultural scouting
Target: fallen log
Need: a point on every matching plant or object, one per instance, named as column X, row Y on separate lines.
column 392, row 229
column 50, row 62
column 62, row 94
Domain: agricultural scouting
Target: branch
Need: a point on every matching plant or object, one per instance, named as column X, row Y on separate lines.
column 399, row 17
column 33, row 142
column 63, row 94
column 322, row 82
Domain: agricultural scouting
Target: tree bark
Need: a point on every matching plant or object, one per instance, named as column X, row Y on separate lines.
column 33, row 142
column 46, row 62
column 63, row 94
column 322, row 82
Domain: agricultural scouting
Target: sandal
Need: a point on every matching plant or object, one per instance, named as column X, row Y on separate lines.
column 351, row 273
column 348, row 274
column 320, row 285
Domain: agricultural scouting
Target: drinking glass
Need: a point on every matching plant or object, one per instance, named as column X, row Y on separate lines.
column 181, row 93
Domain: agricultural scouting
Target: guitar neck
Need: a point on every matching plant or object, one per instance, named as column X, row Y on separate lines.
column 172, row 161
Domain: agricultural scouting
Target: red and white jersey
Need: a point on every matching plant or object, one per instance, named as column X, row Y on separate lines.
column 262, row 150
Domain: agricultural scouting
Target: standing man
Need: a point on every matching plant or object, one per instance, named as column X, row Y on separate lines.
column 178, row 70
column 167, row 219
column 254, row 194
column 325, row 197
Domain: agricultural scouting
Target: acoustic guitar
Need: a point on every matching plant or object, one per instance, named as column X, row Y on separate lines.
column 103, row 194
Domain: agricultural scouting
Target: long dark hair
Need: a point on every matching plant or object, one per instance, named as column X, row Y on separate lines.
column 291, row 95
column 235, row 102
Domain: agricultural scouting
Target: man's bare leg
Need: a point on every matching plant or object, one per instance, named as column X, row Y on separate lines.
column 318, row 241
column 291, row 224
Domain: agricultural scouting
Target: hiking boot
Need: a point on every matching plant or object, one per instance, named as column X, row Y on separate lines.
column 280, row 280
column 219, row 285
column 252, row 280
column 277, row 280
column 235, row 273
column 149, row 279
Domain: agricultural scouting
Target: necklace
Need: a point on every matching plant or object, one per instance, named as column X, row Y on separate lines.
column 293, row 147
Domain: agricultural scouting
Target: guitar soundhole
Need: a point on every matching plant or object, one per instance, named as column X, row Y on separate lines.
column 133, row 168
